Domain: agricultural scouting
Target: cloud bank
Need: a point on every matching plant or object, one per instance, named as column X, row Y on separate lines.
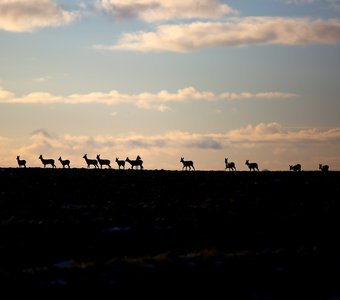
column 145, row 100
column 162, row 10
column 234, row 32
column 271, row 140
column 28, row 15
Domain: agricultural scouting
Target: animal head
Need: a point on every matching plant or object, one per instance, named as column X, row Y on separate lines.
column 40, row 156
column 85, row 156
column 247, row 161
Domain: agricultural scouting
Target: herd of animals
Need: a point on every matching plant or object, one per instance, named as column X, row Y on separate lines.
column 138, row 163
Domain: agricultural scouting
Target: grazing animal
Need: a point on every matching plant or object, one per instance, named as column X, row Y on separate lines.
column 324, row 168
column 65, row 162
column 187, row 164
column 229, row 165
column 21, row 162
column 295, row 168
column 252, row 166
column 105, row 162
column 90, row 162
column 121, row 163
column 47, row 161
column 135, row 163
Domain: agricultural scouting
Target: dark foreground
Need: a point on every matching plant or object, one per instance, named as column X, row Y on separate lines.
column 266, row 235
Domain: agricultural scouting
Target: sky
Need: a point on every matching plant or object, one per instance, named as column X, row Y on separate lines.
column 164, row 79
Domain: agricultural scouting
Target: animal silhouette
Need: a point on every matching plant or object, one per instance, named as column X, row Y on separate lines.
column 229, row 165
column 65, row 162
column 103, row 162
column 121, row 163
column 187, row 164
column 47, row 161
column 21, row 162
column 295, row 168
column 252, row 166
column 324, row 168
column 90, row 162
column 135, row 163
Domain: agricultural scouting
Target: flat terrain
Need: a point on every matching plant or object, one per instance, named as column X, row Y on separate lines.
column 257, row 235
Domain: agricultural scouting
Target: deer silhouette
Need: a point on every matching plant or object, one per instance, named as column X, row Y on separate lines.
column 324, row 168
column 295, row 168
column 229, row 165
column 252, row 166
column 21, row 162
column 103, row 162
column 135, row 163
column 187, row 164
column 121, row 163
column 47, row 161
column 90, row 162
column 65, row 162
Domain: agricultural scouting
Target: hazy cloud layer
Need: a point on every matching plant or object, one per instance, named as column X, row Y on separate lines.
column 161, row 10
column 28, row 15
column 233, row 32
column 273, row 137
column 143, row 100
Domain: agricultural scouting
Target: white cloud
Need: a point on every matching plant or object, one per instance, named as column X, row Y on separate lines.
column 234, row 32
column 145, row 100
column 160, row 10
column 28, row 15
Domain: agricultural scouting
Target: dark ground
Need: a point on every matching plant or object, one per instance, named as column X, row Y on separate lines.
column 264, row 235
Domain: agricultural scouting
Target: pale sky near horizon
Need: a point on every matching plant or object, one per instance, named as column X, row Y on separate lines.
column 165, row 79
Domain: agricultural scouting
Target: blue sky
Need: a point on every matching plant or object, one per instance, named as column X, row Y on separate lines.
column 203, row 80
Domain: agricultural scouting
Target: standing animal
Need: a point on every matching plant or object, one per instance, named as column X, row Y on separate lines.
column 105, row 162
column 229, row 165
column 187, row 164
column 90, row 162
column 295, row 168
column 21, row 162
column 65, row 162
column 252, row 166
column 47, row 161
column 121, row 163
column 135, row 163
column 324, row 168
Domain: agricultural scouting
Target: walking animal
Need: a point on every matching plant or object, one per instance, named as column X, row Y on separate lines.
column 135, row 163
column 229, row 165
column 252, row 166
column 47, row 161
column 104, row 162
column 90, row 162
column 21, row 162
column 187, row 164
column 121, row 163
column 65, row 162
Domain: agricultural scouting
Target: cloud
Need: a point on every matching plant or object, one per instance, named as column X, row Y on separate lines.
column 234, row 32
column 144, row 100
column 28, row 15
column 161, row 10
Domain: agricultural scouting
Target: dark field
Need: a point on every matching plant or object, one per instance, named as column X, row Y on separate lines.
column 264, row 235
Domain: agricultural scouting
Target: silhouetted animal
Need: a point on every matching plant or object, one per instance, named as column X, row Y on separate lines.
column 135, row 163
column 121, row 163
column 65, row 162
column 295, row 168
column 104, row 162
column 187, row 164
column 90, row 162
column 324, row 168
column 230, row 165
column 252, row 166
column 21, row 162
column 47, row 161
